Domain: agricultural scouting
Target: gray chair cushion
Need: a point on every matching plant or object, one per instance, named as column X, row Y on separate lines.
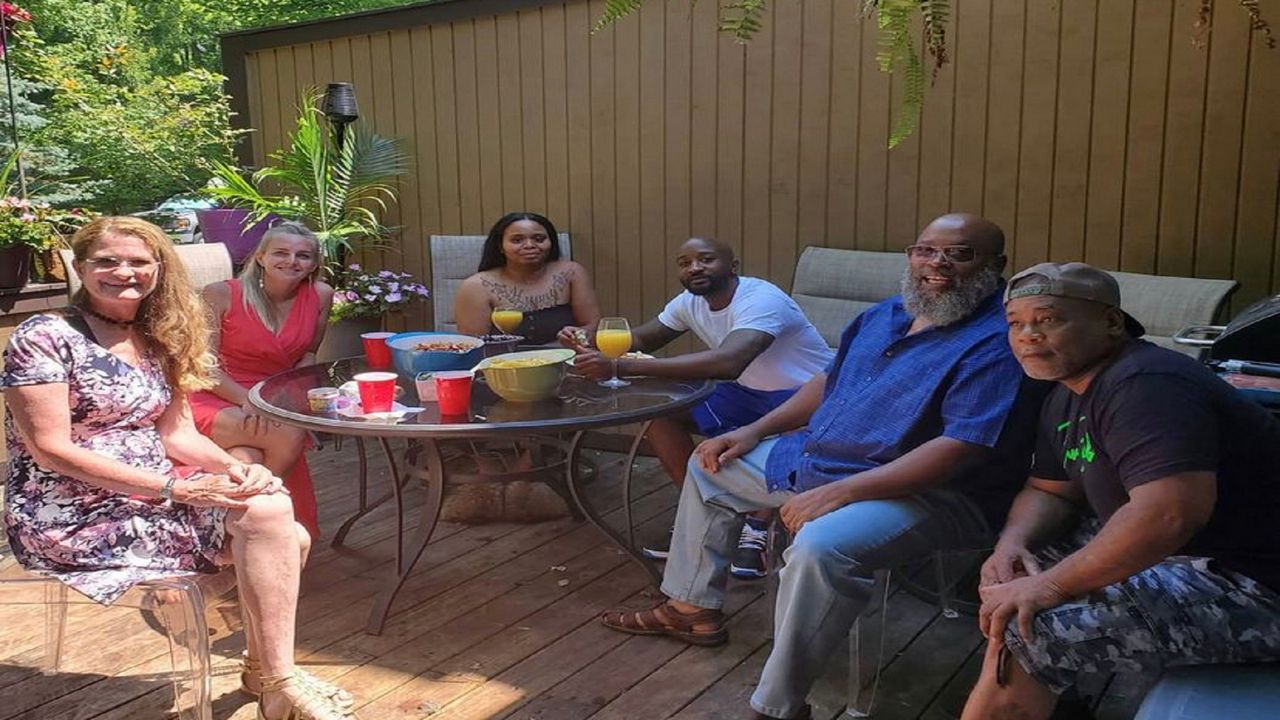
column 833, row 286
column 454, row 258
column 1212, row 692
column 1165, row 305
column 205, row 262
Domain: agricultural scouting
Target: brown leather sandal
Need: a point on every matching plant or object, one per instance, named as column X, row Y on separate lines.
column 704, row 627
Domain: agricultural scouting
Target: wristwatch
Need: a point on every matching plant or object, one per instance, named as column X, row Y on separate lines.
column 166, row 492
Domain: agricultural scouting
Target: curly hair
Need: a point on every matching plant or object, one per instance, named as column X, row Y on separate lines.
column 173, row 320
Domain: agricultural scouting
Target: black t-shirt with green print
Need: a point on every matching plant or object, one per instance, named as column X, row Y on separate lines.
column 1153, row 413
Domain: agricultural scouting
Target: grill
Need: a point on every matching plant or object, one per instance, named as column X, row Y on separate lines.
column 1248, row 348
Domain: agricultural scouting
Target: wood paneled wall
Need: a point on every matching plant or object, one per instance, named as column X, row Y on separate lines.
column 1090, row 130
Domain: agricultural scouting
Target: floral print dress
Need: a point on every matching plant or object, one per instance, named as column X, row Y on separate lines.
column 98, row 541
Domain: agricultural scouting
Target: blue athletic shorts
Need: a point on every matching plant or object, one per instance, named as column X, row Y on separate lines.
column 730, row 406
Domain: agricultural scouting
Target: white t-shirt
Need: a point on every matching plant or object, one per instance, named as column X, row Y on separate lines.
column 796, row 353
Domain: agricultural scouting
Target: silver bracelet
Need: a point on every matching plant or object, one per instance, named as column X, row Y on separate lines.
column 166, row 492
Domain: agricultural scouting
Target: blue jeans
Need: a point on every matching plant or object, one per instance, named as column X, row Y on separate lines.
column 830, row 566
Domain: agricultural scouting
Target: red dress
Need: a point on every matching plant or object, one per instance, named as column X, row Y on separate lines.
column 250, row 352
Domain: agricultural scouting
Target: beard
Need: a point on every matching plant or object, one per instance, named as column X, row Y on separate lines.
column 714, row 284
column 950, row 306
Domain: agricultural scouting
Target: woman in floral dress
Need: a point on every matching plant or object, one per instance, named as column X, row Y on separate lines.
column 110, row 484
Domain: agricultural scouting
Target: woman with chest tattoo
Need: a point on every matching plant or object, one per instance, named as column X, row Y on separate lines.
column 521, row 270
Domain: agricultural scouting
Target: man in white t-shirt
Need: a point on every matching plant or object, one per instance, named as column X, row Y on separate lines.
column 759, row 344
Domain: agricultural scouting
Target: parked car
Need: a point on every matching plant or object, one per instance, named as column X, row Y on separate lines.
column 177, row 216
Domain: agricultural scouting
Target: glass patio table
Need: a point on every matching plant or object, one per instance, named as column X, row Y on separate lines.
column 580, row 405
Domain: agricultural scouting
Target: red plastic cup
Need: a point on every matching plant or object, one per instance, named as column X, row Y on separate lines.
column 377, row 390
column 376, row 351
column 453, row 392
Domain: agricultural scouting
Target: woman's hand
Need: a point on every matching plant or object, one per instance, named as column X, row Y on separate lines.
column 253, row 422
column 256, row 479
column 575, row 338
column 211, row 490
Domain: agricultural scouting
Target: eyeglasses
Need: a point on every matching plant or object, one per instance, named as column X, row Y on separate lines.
column 954, row 253
column 108, row 264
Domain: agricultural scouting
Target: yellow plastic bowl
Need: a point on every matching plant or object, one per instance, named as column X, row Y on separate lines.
column 527, row 384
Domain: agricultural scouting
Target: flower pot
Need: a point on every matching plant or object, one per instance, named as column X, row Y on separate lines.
column 226, row 226
column 49, row 267
column 15, row 266
column 342, row 338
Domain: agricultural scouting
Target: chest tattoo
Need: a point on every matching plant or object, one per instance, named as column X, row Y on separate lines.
column 520, row 298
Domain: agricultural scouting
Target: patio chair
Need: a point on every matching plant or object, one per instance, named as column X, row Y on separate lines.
column 207, row 263
column 178, row 604
column 834, row 286
column 1166, row 304
column 454, row 258
column 1209, row 692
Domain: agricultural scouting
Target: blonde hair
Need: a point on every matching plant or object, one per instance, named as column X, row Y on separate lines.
column 172, row 318
column 251, row 276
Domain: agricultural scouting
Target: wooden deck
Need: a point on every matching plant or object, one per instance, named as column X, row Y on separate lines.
column 498, row 622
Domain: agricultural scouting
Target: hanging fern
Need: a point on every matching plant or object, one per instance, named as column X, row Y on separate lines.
column 1257, row 23
column 935, row 13
column 897, row 53
column 615, row 10
column 742, row 19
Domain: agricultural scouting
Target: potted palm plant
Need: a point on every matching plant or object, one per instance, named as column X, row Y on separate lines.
column 338, row 189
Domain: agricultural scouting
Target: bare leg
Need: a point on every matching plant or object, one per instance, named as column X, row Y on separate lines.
column 1020, row 698
column 280, row 445
column 252, row 642
column 267, row 552
column 671, row 441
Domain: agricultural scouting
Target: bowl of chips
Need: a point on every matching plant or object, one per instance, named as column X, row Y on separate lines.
column 416, row 352
column 526, row 376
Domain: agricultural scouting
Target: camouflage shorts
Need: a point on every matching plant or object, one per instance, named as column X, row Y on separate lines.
column 1183, row 611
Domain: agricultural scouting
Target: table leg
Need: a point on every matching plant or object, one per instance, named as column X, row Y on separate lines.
column 427, row 466
column 579, row 499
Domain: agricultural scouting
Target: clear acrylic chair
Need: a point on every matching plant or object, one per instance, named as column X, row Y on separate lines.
column 867, row 635
column 177, row 603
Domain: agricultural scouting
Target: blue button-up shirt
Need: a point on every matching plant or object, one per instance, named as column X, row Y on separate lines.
column 888, row 392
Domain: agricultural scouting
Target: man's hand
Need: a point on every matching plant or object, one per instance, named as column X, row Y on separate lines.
column 593, row 364
column 1008, row 562
column 811, row 505
column 1021, row 598
column 716, row 451
column 575, row 338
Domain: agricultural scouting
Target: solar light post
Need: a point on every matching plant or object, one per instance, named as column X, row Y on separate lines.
column 340, row 107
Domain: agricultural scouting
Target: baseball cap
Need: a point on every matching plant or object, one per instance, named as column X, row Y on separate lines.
column 1071, row 280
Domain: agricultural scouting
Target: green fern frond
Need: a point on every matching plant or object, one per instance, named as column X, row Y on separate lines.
column 615, row 10
column 935, row 14
column 742, row 19
column 897, row 52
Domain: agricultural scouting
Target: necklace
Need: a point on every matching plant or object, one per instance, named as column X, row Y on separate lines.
column 104, row 318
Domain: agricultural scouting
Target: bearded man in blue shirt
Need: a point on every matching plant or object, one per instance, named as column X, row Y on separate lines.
column 915, row 438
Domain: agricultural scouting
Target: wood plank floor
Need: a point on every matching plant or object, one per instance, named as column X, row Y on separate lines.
column 497, row 622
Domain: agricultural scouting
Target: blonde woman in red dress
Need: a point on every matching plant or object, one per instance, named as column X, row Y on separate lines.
column 269, row 319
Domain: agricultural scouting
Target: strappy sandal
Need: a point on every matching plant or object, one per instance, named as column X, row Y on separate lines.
column 304, row 702
column 663, row 619
column 340, row 698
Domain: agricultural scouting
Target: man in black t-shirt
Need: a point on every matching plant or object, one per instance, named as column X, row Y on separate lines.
column 1180, row 562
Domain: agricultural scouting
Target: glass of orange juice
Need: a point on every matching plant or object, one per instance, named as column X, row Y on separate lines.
column 506, row 319
column 613, row 337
